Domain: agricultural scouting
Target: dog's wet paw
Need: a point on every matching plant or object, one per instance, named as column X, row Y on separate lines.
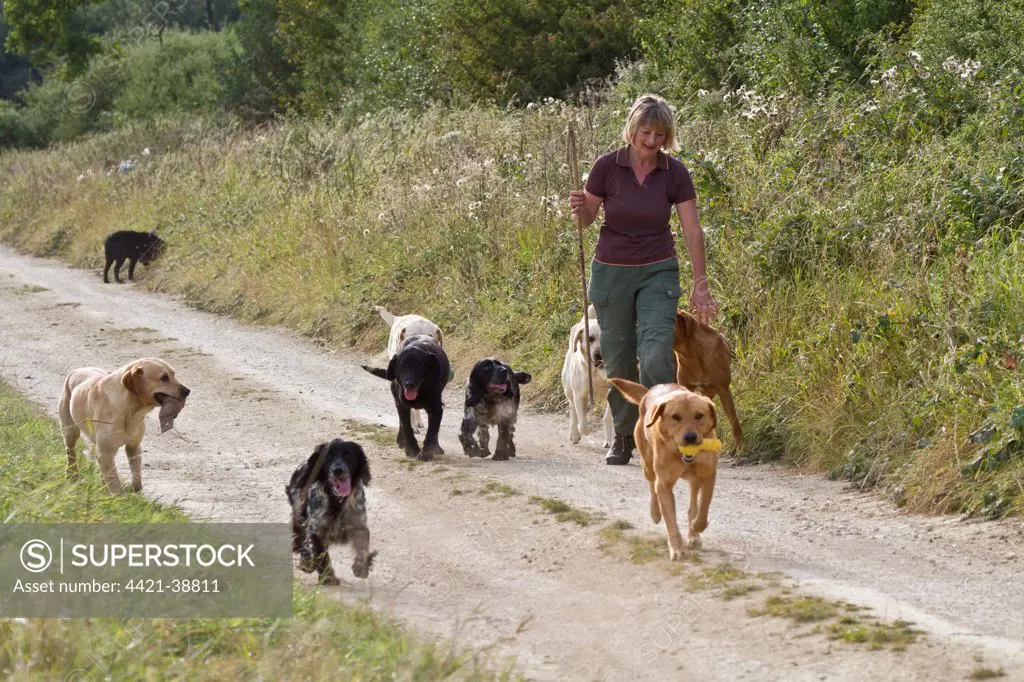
column 675, row 554
column 693, row 542
column 306, row 563
column 329, row 580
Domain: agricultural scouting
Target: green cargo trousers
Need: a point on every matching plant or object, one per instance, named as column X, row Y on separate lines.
column 636, row 310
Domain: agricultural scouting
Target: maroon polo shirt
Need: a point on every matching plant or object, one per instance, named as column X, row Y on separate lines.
column 636, row 217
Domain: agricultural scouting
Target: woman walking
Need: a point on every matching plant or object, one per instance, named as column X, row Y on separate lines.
column 634, row 277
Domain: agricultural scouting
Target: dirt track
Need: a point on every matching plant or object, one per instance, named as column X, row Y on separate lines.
column 495, row 572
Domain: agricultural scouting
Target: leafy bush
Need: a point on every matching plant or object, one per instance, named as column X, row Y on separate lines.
column 182, row 72
column 57, row 111
column 397, row 60
column 990, row 31
column 521, row 49
column 260, row 80
column 768, row 45
column 14, row 130
column 806, row 46
column 696, row 39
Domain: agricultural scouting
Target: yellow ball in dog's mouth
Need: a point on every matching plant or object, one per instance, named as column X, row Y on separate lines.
column 709, row 445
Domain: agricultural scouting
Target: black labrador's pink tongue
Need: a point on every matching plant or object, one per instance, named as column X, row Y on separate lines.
column 169, row 409
column 411, row 393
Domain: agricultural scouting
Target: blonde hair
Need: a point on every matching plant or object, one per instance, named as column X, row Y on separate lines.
column 654, row 112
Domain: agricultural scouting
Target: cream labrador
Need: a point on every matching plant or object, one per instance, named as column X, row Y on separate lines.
column 574, row 380
column 108, row 410
column 401, row 327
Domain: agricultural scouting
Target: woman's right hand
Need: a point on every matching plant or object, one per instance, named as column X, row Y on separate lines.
column 576, row 200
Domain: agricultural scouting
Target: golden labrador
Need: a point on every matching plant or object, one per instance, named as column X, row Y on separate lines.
column 108, row 410
column 675, row 435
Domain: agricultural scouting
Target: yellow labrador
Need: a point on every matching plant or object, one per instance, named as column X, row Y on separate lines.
column 108, row 410
column 574, row 379
column 673, row 421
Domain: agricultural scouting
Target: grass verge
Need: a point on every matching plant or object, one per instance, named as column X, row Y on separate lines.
column 563, row 512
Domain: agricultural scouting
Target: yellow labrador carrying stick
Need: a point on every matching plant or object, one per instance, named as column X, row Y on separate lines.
column 574, row 173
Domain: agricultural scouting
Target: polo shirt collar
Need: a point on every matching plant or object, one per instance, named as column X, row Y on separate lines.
column 622, row 158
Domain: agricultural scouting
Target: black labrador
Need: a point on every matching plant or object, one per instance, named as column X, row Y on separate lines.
column 329, row 507
column 492, row 399
column 143, row 247
column 418, row 373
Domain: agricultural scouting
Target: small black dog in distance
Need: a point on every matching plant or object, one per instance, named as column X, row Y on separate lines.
column 143, row 247
column 329, row 507
column 418, row 373
column 492, row 399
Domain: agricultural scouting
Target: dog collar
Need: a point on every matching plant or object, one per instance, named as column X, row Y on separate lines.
column 689, row 452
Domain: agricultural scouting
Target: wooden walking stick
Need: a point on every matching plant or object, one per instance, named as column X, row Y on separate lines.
column 574, row 173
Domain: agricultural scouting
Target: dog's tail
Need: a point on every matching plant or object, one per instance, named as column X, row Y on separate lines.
column 632, row 391
column 388, row 317
column 64, row 406
column 376, row 371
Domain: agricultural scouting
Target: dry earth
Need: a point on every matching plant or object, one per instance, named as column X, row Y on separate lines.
column 498, row 574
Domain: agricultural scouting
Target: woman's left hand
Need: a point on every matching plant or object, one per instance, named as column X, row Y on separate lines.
column 702, row 303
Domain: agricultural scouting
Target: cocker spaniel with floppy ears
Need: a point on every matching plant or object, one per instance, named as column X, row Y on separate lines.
column 329, row 507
